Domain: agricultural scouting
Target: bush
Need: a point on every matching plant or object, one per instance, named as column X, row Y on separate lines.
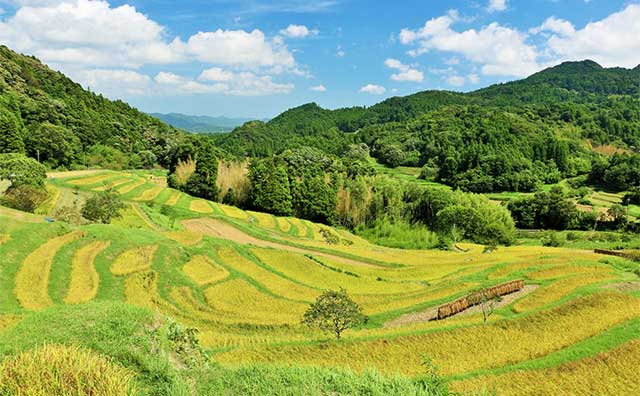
column 69, row 214
column 25, row 198
column 21, row 170
column 552, row 239
column 102, row 207
column 399, row 234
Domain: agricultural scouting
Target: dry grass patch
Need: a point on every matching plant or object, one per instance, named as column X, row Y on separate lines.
column 233, row 176
column 91, row 180
column 184, row 237
column 65, row 371
column 134, row 260
column 7, row 321
column 200, row 206
column 113, row 184
column 84, row 277
column 184, row 170
column 173, row 198
column 4, row 238
column 130, row 187
column 283, row 224
column 202, row 270
column 613, row 372
column 264, row 220
column 149, row 194
column 234, row 212
column 32, row 280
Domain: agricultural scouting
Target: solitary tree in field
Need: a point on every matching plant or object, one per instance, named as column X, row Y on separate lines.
column 335, row 312
column 102, row 207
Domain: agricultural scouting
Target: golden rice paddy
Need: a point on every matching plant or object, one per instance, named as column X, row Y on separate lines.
column 84, row 277
column 184, row 237
column 32, row 280
column 173, row 198
column 91, row 180
column 202, row 270
column 200, row 206
column 149, row 194
column 134, row 260
column 607, row 373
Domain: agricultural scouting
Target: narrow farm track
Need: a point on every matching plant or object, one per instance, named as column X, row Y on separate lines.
column 32, row 280
column 84, row 277
column 223, row 230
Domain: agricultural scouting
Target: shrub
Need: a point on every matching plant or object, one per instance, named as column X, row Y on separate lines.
column 21, row 170
column 552, row 239
column 24, row 197
column 69, row 214
column 102, row 207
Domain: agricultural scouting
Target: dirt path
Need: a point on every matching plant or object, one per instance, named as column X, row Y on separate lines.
column 223, row 230
column 625, row 287
column 431, row 313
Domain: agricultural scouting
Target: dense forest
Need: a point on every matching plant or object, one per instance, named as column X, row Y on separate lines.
column 318, row 164
column 508, row 137
column 47, row 116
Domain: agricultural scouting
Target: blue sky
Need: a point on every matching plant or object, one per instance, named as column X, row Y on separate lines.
column 257, row 58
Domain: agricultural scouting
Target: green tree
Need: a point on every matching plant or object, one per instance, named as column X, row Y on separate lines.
column 314, row 199
column 22, row 171
column 270, row 191
column 53, row 144
column 10, row 139
column 102, row 207
column 335, row 312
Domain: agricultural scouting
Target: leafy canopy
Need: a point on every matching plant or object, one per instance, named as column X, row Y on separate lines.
column 335, row 312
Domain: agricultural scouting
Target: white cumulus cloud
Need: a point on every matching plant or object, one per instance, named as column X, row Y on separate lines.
column 319, row 88
column 298, row 31
column 456, row 80
column 501, row 51
column 497, row 5
column 93, row 41
column 405, row 73
column 373, row 89
column 612, row 41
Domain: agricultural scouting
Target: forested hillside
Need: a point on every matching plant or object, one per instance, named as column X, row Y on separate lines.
column 508, row 137
column 46, row 115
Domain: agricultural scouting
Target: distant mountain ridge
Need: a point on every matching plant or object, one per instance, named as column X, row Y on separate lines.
column 200, row 124
column 609, row 91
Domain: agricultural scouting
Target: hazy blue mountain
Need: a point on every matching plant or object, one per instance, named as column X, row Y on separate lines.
column 200, row 124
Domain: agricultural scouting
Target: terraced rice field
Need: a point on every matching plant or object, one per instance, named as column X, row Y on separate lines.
column 244, row 280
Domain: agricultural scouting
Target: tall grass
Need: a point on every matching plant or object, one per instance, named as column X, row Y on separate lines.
column 399, row 234
column 233, row 181
column 63, row 371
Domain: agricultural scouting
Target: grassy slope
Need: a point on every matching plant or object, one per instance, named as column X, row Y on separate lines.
column 280, row 280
